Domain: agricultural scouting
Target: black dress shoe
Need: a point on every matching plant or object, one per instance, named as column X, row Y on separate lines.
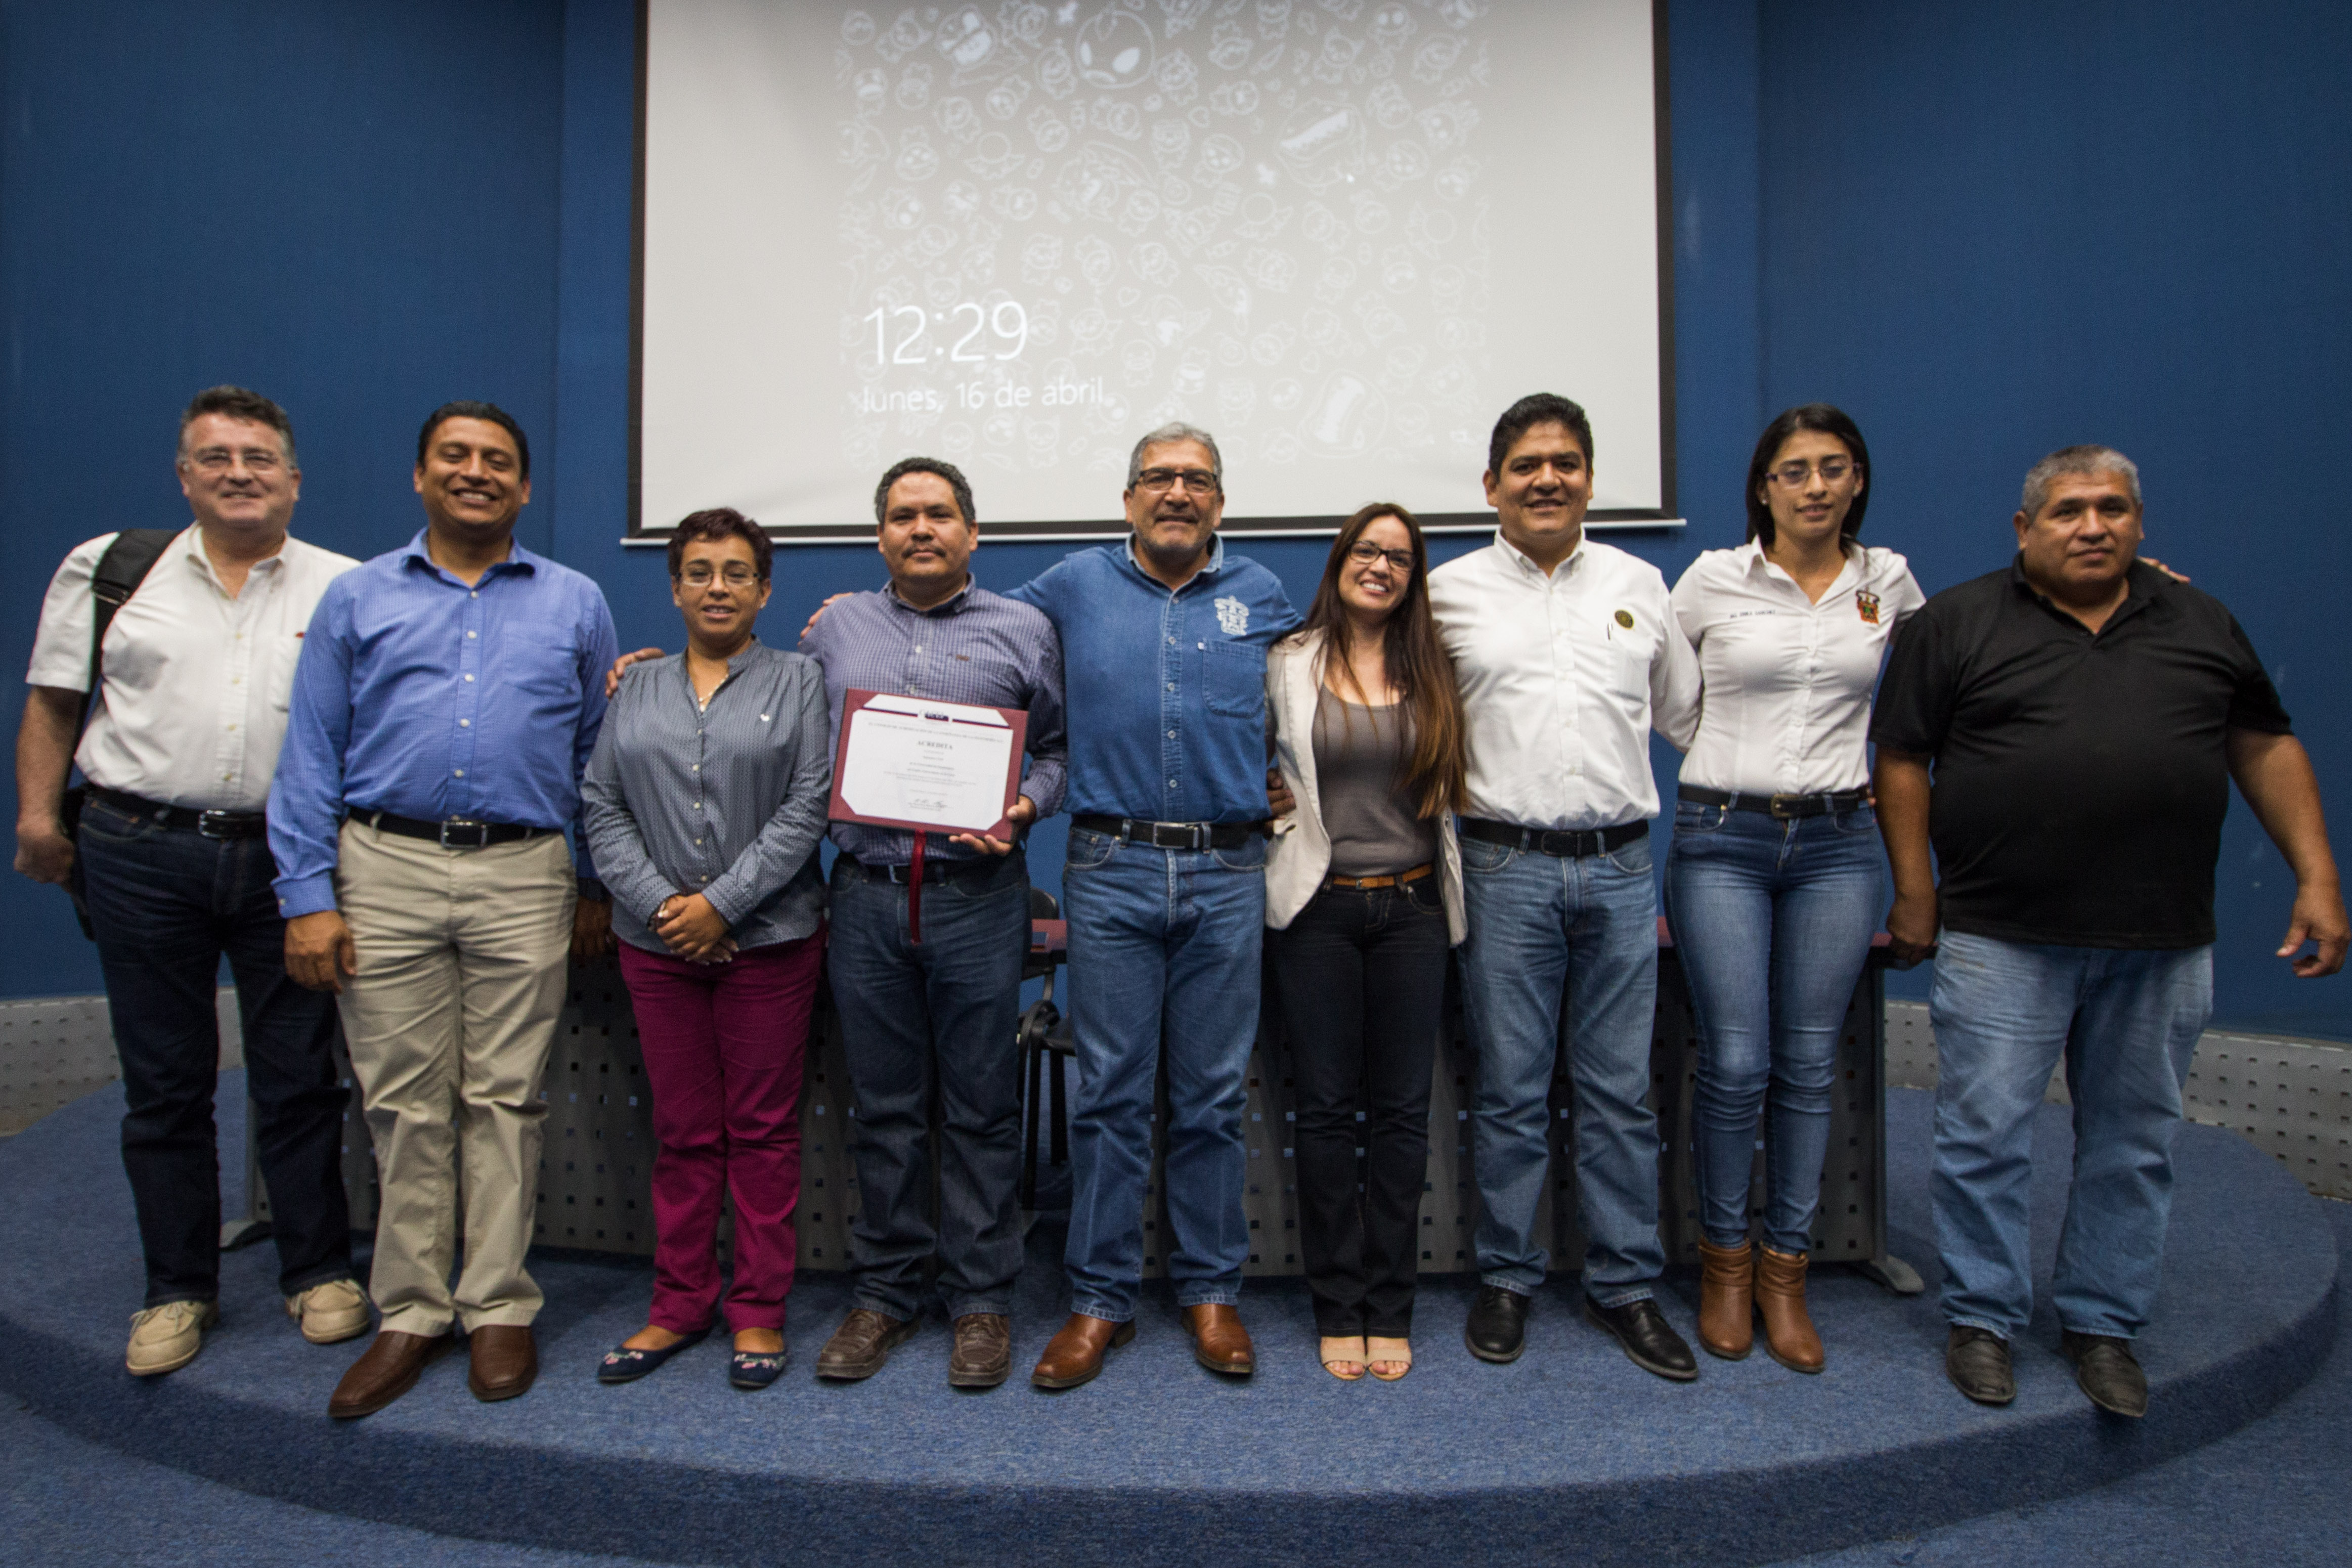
column 1650, row 1341
column 1977, row 1360
column 2105, row 1369
column 1498, row 1328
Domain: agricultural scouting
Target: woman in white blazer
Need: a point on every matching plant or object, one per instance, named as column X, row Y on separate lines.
column 1364, row 893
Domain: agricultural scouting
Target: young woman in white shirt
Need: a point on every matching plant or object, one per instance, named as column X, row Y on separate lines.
column 1775, row 883
column 1364, row 893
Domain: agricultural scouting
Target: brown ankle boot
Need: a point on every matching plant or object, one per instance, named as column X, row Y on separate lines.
column 1726, row 1296
column 1781, row 1301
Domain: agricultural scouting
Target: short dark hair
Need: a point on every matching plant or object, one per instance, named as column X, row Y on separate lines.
column 1828, row 420
column 720, row 522
column 1536, row 408
column 237, row 403
column 940, row 466
column 468, row 408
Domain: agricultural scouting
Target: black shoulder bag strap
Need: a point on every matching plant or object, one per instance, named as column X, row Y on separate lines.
column 117, row 576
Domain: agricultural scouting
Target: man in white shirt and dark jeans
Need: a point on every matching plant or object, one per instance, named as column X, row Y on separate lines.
column 185, row 727
column 1568, row 654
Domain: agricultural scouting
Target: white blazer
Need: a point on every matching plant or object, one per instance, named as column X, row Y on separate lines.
column 1300, row 856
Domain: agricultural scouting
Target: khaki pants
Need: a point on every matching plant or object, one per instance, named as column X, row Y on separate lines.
column 462, row 969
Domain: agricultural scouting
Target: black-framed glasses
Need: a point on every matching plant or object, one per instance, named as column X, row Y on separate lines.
column 737, row 576
column 1157, row 480
column 1363, row 553
column 1792, row 475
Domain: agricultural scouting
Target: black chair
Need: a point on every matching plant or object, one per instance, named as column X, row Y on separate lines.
column 1043, row 1032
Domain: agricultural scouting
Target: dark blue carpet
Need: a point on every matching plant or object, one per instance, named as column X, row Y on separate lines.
column 1571, row 1453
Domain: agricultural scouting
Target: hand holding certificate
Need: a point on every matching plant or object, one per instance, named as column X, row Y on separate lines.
column 926, row 766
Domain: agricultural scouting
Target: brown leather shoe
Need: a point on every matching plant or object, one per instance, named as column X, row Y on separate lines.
column 1727, row 1299
column 982, row 1356
column 505, row 1362
column 1781, row 1301
column 387, row 1370
column 1219, row 1341
column 1075, row 1354
column 862, row 1344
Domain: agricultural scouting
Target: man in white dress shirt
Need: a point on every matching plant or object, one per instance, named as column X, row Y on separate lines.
column 1568, row 654
column 175, row 872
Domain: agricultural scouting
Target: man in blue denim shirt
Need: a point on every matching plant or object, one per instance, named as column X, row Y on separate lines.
column 1163, row 642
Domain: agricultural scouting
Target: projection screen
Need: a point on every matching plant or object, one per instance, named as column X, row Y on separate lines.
column 1341, row 234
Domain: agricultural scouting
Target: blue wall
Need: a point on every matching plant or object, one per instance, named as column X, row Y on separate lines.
column 1985, row 232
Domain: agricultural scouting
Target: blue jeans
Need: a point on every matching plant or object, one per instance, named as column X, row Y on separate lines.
column 2126, row 1023
column 1540, row 924
column 1772, row 921
column 1164, row 948
column 934, row 1018
column 167, row 903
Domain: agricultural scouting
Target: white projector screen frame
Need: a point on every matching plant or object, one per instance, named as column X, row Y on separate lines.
column 1106, row 214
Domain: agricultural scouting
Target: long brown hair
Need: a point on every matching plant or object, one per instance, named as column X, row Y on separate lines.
column 1417, row 665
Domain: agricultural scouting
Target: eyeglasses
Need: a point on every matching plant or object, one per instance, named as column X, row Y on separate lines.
column 1157, row 480
column 737, row 576
column 1363, row 553
column 1792, row 475
column 217, row 459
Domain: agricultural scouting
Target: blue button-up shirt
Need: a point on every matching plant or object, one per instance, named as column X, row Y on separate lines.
column 1166, row 690
column 976, row 646
column 421, row 696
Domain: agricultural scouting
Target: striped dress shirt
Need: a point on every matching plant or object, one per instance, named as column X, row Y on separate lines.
column 978, row 647
column 726, row 800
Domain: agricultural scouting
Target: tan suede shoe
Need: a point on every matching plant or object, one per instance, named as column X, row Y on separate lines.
column 332, row 1312
column 167, row 1338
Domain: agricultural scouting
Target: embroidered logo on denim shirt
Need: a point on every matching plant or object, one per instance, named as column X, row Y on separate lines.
column 1232, row 617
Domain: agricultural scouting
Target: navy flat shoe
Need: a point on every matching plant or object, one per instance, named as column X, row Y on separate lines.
column 621, row 1365
column 755, row 1370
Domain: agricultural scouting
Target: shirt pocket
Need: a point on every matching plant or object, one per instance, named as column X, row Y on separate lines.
column 1233, row 679
column 278, row 678
column 537, row 657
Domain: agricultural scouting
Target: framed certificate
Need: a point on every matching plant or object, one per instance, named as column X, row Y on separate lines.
column 926, row 766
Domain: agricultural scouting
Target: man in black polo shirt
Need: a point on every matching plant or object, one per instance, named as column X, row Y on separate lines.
column 2084, row 714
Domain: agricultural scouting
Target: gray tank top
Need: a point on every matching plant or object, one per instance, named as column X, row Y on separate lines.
column 1359, row 752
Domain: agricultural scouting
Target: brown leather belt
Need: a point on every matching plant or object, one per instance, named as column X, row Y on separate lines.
column 1399, row 881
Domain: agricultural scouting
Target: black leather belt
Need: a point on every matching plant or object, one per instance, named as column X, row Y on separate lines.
column 1567, row 843
column 211, row 823
column 977, row 868
column 1171, row 835
column 1783, row 806
column 458, row 833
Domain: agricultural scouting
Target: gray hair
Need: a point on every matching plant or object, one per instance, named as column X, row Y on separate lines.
column 1175, row 430
column 2076, row 461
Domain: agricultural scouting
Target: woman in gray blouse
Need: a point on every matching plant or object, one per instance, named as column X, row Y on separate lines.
column 706, row 798
column 1364, row 892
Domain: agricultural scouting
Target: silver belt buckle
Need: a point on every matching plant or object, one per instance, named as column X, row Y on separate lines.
column 215, row 823
column 480, row 830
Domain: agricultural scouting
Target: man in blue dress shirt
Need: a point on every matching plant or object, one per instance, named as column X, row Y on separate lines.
column 1163, row 642
column 447, row 701
column 936, row 1016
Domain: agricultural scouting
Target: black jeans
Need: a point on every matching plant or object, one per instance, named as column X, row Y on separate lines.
column 166, row 904
column 1362, row 974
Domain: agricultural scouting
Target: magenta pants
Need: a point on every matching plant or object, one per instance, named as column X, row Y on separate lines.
column 722, row 1044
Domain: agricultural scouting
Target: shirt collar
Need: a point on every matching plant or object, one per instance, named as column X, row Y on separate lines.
column 1216, row 561
column 1520, row 559
column 191, row 545
column 2147, row 583
column 518, row 558
column 954, row 604
column 1756, row 562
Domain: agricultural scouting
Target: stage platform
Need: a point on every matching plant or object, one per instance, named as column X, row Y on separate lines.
column 1571, row 1453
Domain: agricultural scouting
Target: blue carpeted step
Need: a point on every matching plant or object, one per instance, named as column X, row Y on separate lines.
column 1571, row 1450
